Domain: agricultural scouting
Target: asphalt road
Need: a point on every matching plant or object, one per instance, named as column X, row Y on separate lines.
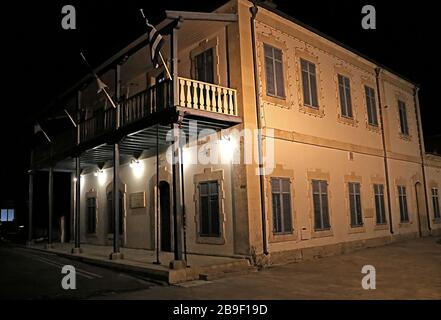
column 29, row 274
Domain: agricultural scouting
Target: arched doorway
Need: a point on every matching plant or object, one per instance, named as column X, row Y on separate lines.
column 165, row 216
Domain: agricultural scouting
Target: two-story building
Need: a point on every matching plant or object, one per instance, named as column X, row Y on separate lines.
column 348, row 167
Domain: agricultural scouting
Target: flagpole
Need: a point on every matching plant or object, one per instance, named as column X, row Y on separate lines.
column 101, row 85
column 160, row 54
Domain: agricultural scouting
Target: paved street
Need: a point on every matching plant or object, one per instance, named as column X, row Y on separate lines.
column 29, row 274
column 406, row 270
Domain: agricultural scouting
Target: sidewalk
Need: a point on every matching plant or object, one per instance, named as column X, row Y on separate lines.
column 141, row 261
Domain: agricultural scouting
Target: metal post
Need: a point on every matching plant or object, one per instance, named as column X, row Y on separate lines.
column 177, row 196
column 77, row 248
column 116, row 254
column 31, row 205
column 178, row 263
column 51, row 206
column 77, row 219
column 157, row 196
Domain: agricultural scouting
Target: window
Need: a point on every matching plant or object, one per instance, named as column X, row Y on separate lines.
column 320, row 202
column 7, row 215
column 309, row 82
column 91, row 215
column 355, row 204
column 435, row 202
column 379, row 203
column 371, row 106
column 281, row 197
column 204, row 66
column 209, row 209
column 403, row 118
column 275, row 85
column 344, row 89
column 402, row 198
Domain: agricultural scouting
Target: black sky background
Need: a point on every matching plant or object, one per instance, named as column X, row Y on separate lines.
column 41, row 60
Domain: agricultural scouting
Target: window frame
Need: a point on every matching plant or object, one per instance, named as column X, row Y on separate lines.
column 286, row 227
column 402, row 201
column 404, row 121
column 94, row 207
column 320, row 195
column 277, row 94
column 210, row 234
column 371, row 106
column 311, row 78
column 346, row 105
column 212, row 65
column 354, row 194
column 379, row 195
column 8, row 212
column 435, row 203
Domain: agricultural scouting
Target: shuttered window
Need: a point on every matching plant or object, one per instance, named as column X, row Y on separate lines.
column 204, row 63
column 344, row 89
column 371, row 106
column 281, row 203
column 309, row 83
column 275, row 84
column 403, row 118
column 91, row 215
column 402, row 198
column 435, row 203
column 209, row 209
column 355, row 204
column 320, row 203
column 379, row 203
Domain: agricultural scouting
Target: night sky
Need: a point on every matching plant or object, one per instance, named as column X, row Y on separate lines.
column 42, row 60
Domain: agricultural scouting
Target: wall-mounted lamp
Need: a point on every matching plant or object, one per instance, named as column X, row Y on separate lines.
column 137, row 167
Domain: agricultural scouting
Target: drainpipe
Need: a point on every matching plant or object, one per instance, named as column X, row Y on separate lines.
column 420, row 143
column 383, row 139
column 253, row 11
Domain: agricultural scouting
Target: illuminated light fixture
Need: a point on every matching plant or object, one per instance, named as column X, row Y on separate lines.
column 137, row 167
column 75, row 179
column 101, row 175
column 226, row 147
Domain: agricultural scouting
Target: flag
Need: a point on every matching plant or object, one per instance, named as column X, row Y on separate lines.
column 102, row 87
column 37, row 129
column 155, row 41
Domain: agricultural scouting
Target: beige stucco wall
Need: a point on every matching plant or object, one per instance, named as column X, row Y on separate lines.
column 306, row 144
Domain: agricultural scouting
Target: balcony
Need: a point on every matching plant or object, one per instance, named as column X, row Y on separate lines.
column 213, row 106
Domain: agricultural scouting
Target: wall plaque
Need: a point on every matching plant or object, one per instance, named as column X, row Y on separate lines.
column 137, row 200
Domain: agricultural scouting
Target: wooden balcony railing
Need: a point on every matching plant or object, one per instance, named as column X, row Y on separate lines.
column 103, row 121
column 154, row 99
column 199, row 95
column 193, row 94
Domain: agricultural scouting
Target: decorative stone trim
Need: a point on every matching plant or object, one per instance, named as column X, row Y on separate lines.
column 209, row 175
column 280, row 172
column 318, row 174
column 344, row 71
column 304, row 108
column 273, row 39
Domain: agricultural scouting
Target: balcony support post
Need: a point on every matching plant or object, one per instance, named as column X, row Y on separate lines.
column 50, row 207
column 116, row 254
column 30, row 203
column 178, row 262
column 77, row 194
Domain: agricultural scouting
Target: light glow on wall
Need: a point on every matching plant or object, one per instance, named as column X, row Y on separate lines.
column 226, row 148
column 137, row 168
column 101, row 175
